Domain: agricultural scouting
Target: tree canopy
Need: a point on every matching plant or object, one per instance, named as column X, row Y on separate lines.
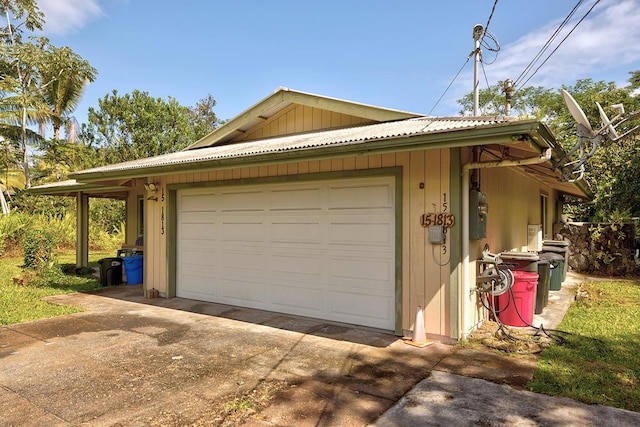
column 40, row 83
column 613, row 173
column 137, row 125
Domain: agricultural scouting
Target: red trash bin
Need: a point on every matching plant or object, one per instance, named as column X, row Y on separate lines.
column 521, row 296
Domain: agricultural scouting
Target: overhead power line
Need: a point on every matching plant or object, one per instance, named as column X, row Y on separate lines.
column 485, row 33
column 519, row 81
column 450, row 84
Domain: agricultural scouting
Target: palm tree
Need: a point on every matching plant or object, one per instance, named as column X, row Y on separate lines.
column 64, row 76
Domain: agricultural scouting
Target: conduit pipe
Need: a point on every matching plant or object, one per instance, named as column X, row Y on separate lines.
column 465, row 288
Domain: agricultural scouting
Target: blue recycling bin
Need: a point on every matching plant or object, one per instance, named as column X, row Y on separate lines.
column 133, row 267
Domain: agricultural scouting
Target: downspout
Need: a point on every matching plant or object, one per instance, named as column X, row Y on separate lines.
column 465, row 288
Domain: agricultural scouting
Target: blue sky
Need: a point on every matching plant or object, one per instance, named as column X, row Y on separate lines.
column 395, row 54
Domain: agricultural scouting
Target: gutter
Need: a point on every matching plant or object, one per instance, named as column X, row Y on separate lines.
column 465, row 288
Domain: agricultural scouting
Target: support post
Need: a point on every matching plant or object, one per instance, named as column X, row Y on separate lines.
column 82, row 230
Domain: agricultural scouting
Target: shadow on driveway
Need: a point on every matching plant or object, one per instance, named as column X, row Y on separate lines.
column 127, row 360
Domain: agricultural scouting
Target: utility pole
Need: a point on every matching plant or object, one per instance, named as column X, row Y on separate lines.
column 477, row 34
column 508, row 93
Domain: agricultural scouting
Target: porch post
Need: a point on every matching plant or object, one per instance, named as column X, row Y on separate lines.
column 82, row 230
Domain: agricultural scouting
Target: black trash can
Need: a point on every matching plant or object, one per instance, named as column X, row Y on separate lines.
column 110, row 271
column 542, row 293
column 556, row 264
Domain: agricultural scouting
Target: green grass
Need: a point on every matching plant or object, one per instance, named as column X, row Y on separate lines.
column 600, row 361
column 23, row 303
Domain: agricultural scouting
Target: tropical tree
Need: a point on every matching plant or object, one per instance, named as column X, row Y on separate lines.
column 65, row 75
column 613, row 173
column 40, row 83
column 136, row 125
column 22, row 104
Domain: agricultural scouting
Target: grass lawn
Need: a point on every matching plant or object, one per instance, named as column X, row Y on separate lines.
column 22, row 303
column 600, row 361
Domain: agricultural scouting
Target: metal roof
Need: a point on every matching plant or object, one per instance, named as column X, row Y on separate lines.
column 298, row 142
column 281, row 99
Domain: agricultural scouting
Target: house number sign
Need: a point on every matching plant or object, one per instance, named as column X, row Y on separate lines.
column 444, row 219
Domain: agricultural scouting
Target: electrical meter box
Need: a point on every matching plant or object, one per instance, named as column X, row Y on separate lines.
column 478, row 210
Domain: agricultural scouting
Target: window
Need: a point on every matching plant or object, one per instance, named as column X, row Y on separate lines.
column 140, row 229
column 544, row 200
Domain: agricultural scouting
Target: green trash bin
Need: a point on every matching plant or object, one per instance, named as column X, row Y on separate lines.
column 560, row 247
column 542, row 292
column 556, row 265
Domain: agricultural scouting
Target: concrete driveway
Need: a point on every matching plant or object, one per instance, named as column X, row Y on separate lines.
column 128, row 361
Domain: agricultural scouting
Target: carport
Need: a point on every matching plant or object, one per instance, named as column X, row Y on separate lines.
column 82, row 193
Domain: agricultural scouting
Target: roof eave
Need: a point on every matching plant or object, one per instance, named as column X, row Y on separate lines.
column 498, row 133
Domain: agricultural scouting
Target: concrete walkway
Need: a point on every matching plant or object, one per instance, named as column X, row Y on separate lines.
column 467, row 389
column 131, row 361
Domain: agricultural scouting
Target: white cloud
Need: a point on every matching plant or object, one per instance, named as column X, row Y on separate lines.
column 608, row 38
column 68, row 16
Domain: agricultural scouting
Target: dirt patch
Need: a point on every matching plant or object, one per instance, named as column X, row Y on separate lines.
column 493, row 336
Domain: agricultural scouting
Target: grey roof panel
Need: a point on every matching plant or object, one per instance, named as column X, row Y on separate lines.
column 336, row 137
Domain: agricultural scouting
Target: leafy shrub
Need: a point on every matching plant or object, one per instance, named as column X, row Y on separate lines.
column 12, row 229
column 106, row 240
column 38, row 249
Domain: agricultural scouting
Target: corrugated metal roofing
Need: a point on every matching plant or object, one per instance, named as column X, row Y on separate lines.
column 336, row 137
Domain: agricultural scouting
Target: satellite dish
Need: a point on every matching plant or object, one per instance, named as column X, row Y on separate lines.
column 576, row 111
column 606, row 123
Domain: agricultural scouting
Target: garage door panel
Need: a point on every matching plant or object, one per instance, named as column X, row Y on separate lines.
column 296, row 199
column 242, row 292
column 202, row 202
column 243, row 231
column 242, row 201
column 370, row 273
column 198, row 231
column 305, row 301
column 354, row 307
column 322, row 249
column 295, row 231
column 243, row 262
column 361, row 233
column 360, row 197
column 197, row 286
column 288, row 265
column 199, row 260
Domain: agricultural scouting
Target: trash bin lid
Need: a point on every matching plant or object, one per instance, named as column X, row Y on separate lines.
column 557, row 249
column 563, row 243
column 521, row 256
column 551, row 256
column 543, row 261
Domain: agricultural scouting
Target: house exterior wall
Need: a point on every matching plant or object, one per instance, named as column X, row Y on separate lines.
column 298, row 118
column 425, row 272
column 514, row 202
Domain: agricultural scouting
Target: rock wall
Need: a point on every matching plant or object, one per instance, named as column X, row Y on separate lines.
column 599, row 248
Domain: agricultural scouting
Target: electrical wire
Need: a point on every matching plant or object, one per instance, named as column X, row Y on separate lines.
column 559, row 44
column 485, row 33
column 486, row 27
column 450, row 84
column 549, row 41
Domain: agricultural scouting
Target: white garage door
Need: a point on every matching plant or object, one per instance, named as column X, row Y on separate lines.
column 324, row 249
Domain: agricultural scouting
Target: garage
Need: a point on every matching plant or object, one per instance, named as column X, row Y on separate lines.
column 324, row 249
